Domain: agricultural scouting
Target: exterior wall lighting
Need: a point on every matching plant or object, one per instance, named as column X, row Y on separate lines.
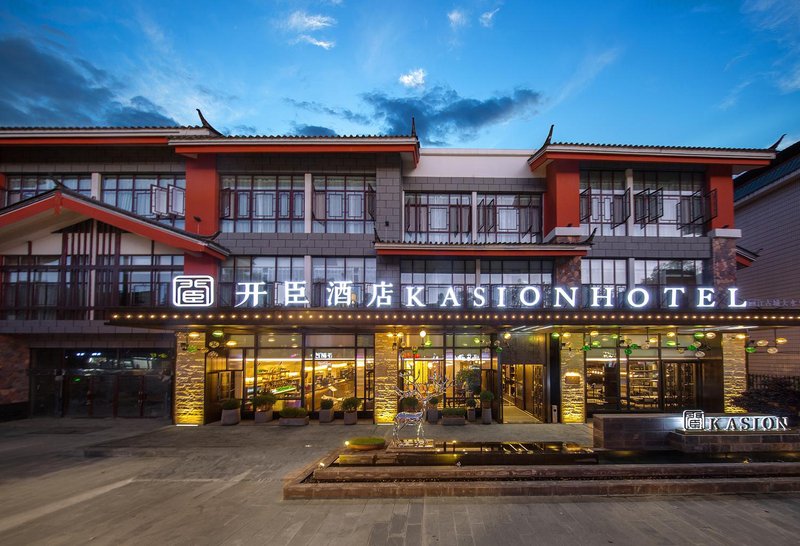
column 507, row 335
column 422, row 334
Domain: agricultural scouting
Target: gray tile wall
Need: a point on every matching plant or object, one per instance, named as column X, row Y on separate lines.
column 88, row 160
column 683, row 248
column 298, row 244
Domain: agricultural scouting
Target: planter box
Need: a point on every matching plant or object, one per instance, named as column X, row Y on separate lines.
column 432, row 415
column 325, row 415
column 453, row 421
column 293, row 421
column 471, row 415
column 231, row 417
column 486, row 416
column 263, row 416
column 350, row 417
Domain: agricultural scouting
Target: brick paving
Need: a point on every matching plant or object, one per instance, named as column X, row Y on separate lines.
column 222, row 485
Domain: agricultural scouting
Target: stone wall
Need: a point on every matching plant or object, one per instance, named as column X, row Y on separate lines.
column 190, row 371
column 385, row 379
column 573, row 398
column 723, row 264
column 14, row 364
column 734, row 370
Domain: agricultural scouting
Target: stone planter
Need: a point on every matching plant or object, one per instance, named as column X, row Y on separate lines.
column 433, row 415
column 453, row 421
column 486, row 416
column 293, row 421
column 471, row 415
column 231, row 417
column 325, row 415
column 350, row 417
column 262, row 417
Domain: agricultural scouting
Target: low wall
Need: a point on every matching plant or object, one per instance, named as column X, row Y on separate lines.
column 635, row 431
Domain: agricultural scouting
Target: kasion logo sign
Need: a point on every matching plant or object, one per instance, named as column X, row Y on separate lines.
column 193, row 291
column 696, row 421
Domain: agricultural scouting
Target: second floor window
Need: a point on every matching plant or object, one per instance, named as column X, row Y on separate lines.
column 19, row 188
column 509, row 218
column 157, row 197
column 360, row 272
column 438, row 276
column 271, row 270
column 670, row 203
column 262, row 204
column 604, row 202
column 438, row 218
column 135, row 280
column 344, row 204
column 604, row 273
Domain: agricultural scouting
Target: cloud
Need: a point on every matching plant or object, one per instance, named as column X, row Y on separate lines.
column 313, row 41
column 301, row 21
column 43, row 88
column 779, row 20
column 487, row 18
column 343, row 113
column 587, row 71
column 442, row 113
column 313, row 130
column 732, row 97
column 239, row 130
column 414, row 78
column 457, row 19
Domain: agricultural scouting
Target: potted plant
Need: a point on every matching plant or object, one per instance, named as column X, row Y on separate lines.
column 409, row 403
column 293, row 417
column 486, row 407
column 433, row 410
column 262, row 403
column 326, row 410
column 453, row 416
column 230, row 411
column 471, row 403
column 350, row 407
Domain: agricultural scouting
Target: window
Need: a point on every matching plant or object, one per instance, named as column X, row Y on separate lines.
column 135, row 280
column 438, row 218
column 661, row 273
column 437, row 276
column 274, row 271
column 359, row 271
column 262, row 204
column 30, row 287
column 157, row 197
column 515, row 275
column 604, row 202
column 670, row 204
column 344, row 204
column 509, row 218
column 604, row 273
column 19, row 188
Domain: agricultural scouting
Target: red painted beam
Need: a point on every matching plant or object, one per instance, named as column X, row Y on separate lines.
column 83, row 141
column 298, row 149
column 634, row 158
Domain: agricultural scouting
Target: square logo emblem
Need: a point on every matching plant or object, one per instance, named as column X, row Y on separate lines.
column 193, row 291
column 694, row 420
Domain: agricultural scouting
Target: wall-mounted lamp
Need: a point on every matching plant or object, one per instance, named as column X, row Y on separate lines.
column 572, row 378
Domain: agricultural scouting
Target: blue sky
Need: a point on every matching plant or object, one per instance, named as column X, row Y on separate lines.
column 474, row 73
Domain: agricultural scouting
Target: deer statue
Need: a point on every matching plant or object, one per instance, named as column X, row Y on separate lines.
column 423, row 392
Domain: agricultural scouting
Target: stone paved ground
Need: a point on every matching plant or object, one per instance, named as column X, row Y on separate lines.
column 222, row 485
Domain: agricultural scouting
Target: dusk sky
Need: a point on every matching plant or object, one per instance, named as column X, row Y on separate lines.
column 474, row 73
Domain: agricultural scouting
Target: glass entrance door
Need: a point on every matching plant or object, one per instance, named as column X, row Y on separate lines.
column 680, row 386
column 523, row 393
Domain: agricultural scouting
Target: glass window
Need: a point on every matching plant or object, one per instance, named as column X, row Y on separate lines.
column 135, row 281
column 262, row 203
column 271, row 270
column 360, row 272
column 603, row 273
column 157, row 197
column 21, row 187
column 437, row 276
column 344, row 204
column 660, row 196
column 515, row 275
column 604, row 202
column 661, row 273
column 509, row 218
column 438, row 218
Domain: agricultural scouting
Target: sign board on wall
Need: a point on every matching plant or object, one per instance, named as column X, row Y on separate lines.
column 697, row 421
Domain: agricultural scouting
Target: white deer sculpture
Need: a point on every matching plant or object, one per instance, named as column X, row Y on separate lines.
column 423, row 392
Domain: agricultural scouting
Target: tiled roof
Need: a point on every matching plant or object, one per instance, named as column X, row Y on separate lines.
column 94, row 202
column 786, row 163
column 99, row 128
column 289, row 137
column 646, row 146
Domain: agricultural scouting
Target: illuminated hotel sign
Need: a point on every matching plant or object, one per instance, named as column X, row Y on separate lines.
column 198, row 291
column 696, row 421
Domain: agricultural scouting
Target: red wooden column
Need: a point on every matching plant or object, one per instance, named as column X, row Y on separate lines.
column 720, row 179
column 721, row 229
column 202, row 209
column 562, row 200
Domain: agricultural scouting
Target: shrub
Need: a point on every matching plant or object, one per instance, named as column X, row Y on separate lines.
column 293, row 413
column 453, row 412
column 264, row 401
column 487, row 397
column 367, row 441
column 775, row 396
column 471, row 403
column 326, row 403
column 433, row 401
column 470, row 378
column 409, row 403
column 351, row 403
column 231, row 404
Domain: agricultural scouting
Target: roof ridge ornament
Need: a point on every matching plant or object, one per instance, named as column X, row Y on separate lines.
column 777, row 142
column 549, row 136
column 413, row 127
column 204, row 122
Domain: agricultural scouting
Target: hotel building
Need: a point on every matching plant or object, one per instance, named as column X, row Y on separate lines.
column 153, row 271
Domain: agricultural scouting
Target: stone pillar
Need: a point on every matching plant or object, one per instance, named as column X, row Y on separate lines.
column 734, row 370
column 567, row 270
column 723, row 265
column 385, row 379
column 14, row 364
column 190, row 380
column 573, row 394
